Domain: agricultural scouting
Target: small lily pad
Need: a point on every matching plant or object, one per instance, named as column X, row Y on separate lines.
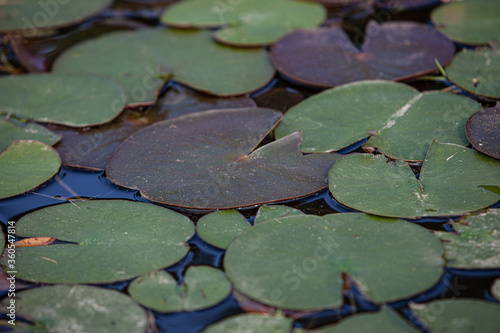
column 208, row 160
column 137, row 238
column 477, row 71
column 75, row 308
column 470, row 21
column 77, row 100
column 202, row 287
column 454, row 180
column 91, row 148
column 26, row 17
column 252, row 323
column 483, row 131
column 222, row 227
column 142, row 60
column 326, row 57
column 386, row 320
column 495, row 290
column 297, row 262
column 11, row 130
column 245, row 22
column 400, row 121
column 458, row 315
column 25, row 165
column 477, row 244
column 269, row 213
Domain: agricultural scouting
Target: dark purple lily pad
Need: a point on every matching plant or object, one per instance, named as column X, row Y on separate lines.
column 326, row 57
column 208, row 160
column 401, row 5
column 91, row 148
column 483, row 131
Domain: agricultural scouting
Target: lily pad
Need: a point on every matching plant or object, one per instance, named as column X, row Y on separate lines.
column 477, row 71
column 372, row 251
column 245, row 22
column 76, row 308
column 390, row 51
column 270, row 213
column 202, row 287
column 25, row 165
column 470, row 21
column 92, row 147
column 136, row 238
column 27, row 17
column 74, row 100
column 208, row 160
column 496, row 289
column 453, row 181
column 11, row 130
column 458, row 315
column 403, row 5
column 142, row 60
column 483, row 131
column 400, row 121
column 222, row 227
column 386, row 320
column 252, row 323
column 477, row 244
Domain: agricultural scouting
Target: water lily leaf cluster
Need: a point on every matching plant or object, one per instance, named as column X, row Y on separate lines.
column 454, row 180
column 245, row 22
column 390, row 51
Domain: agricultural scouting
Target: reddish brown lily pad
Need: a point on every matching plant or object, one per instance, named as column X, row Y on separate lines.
column 326, row 57
column 208, row 160
column 483, row 131
column 91, row 148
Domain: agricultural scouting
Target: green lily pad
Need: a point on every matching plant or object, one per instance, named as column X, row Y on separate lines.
column 459, row 315
column 477, row 71
column 454, row 180
column 326, row 57
column 26, row 17
column 386, row 320
column 11, row 130
column 483, row 131
column 496, row 289
column 298, row 263
column 252, row 323
column 111, row 240
column 400, row 121
column 92, row 148
column 208, row 160
column 477, row 244
column 74, row 308
column 73, row 100
column 269, row 213
column 142, row 60
column 202, row 287
column 245, row 22
column 25, row 165
column 469, row 21
column 222, row 227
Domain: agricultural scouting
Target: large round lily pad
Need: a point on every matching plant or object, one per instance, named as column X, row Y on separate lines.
column 400, row 121
column 27, row 17
column 202, row 287
column 25, row 165
column 208, row 160
column 454, row 180
column 111, row 240
column 386, row 320
column 459, row 315
column 142, row 60
column 11, row 130
column 298, row 262
column 477, row 244
column 245, row 22
column 69, row 99
column 92, row 148
column 477, row 71
column 326, row 57
column 62, row 309
column 483, row 131
column 252, row 323
column 469, row 21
